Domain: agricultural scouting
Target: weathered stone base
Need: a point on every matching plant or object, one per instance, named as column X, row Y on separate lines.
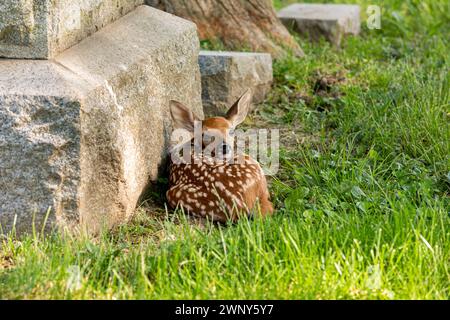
column 85, row 134
column 331, row 21
column 227, row 75
column 40, row 29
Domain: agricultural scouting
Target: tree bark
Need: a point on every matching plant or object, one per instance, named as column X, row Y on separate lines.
column 238, row 24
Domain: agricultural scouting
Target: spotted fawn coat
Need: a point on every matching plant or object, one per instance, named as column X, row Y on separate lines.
column 216, row 187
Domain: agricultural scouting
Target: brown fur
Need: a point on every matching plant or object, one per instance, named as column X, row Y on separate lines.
column 217, row 188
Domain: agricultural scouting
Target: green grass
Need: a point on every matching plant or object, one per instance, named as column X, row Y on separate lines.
column 362, row 198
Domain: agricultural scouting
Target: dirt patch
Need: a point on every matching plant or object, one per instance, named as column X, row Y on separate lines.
column 6, row 262
column 326, row 85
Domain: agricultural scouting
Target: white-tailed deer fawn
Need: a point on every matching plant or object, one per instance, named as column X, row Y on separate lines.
column 221, row 188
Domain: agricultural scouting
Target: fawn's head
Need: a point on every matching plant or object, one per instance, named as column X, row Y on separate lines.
column 217, row 132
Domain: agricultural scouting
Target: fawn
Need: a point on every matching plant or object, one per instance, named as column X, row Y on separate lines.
column 219, row 188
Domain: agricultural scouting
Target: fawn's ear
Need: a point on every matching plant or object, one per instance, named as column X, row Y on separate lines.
column 238, row 112
column 182, row 117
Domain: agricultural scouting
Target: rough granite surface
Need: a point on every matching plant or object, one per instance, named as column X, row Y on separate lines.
column 227, row 75
column 331, row 21
column 86, row 133
column 40, row 29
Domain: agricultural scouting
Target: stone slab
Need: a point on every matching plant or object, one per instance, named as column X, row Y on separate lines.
column 85, row 134
column 331, row 21
column 227, row 75
column 40, row 29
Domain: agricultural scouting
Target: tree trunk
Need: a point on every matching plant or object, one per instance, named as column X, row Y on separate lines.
column 238, row 24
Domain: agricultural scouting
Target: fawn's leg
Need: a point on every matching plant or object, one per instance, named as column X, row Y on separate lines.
column 266, row 207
